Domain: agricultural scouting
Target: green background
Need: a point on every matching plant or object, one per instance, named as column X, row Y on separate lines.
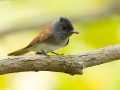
column 98, row 22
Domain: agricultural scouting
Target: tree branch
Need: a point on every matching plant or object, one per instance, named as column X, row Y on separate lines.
column 72, row 64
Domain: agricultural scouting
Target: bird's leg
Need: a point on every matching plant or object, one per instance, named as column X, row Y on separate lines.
column 56, row 53
column 44, row 53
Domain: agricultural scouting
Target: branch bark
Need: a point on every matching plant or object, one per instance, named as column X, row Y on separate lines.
column 72, row 64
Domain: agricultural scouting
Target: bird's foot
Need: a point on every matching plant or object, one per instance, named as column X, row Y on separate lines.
column 38, row 53
column 44, row 53
column 57, row 53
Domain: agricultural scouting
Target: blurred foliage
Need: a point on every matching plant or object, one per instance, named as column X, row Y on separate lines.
column 98, row 22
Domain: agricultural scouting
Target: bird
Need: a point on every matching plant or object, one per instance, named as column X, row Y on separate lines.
column 52, row 38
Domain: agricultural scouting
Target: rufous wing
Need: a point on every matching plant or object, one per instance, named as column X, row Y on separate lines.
column 43, row 36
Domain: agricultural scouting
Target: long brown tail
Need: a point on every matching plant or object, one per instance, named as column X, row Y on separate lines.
column 18, row 52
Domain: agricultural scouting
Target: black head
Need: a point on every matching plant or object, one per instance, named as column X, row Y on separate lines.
column 65, row 26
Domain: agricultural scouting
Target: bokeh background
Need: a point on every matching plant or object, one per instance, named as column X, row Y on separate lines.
column 98, row 22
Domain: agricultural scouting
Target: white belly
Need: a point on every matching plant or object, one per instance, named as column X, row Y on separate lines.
column 47, row 48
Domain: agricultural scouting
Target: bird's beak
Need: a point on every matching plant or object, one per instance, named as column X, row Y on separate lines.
column 75, row 31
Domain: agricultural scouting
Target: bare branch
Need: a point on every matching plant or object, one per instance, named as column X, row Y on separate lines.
column 72, row 64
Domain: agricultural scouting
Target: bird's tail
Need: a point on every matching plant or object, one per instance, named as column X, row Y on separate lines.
column 18, row 52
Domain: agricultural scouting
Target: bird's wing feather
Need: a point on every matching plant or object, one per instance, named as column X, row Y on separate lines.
column 43, row 36
column 66, row 43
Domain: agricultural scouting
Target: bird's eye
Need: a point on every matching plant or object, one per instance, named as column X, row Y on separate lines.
column 64, row 27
